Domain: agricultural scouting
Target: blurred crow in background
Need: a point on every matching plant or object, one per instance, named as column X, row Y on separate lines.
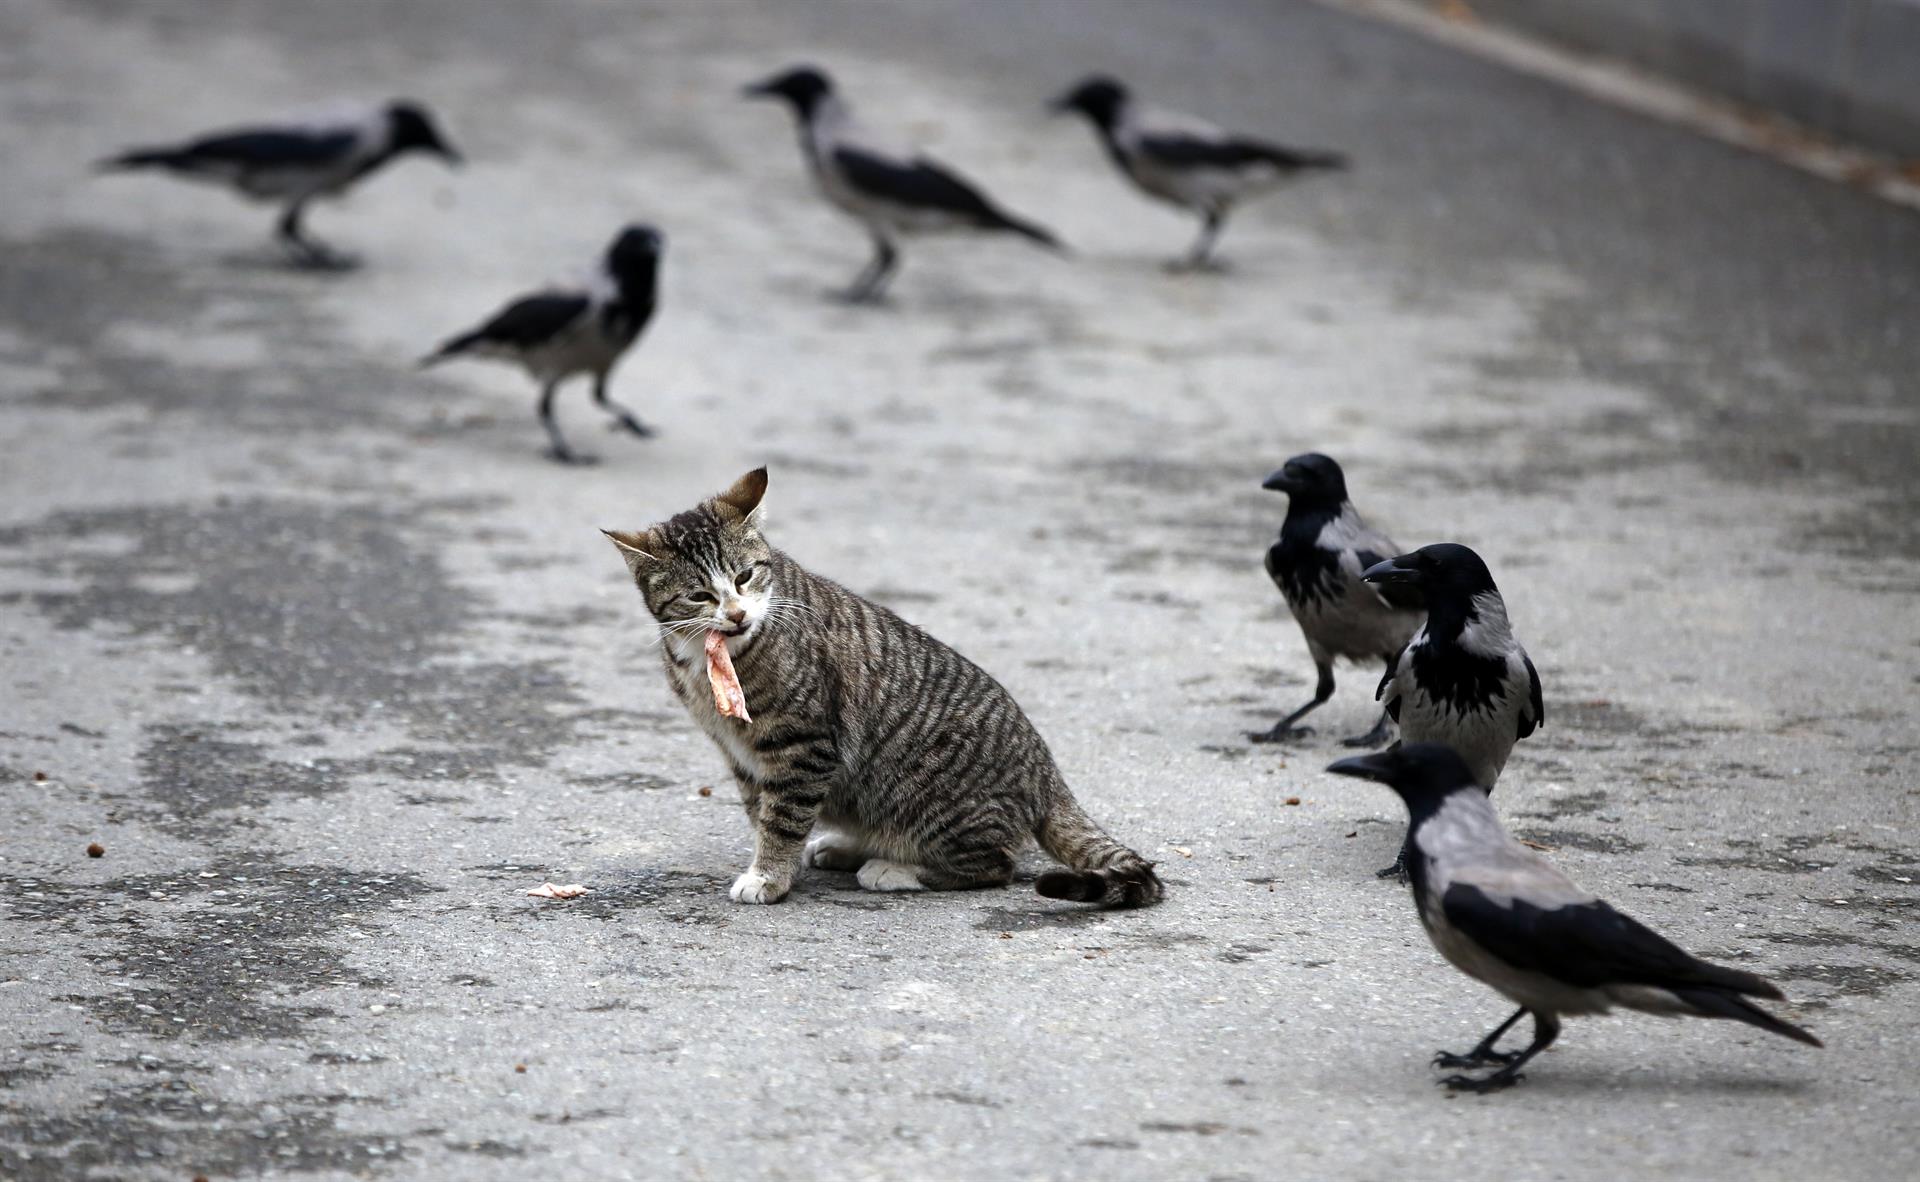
column 294, row 163
column 584, row 329
column 1187, row 161
column 891, row 190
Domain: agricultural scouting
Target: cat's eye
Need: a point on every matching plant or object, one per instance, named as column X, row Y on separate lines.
column 703, row 597
column 741, row 580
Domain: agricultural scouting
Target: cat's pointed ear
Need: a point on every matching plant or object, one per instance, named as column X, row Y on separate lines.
column 636, row 548
column 746, row 497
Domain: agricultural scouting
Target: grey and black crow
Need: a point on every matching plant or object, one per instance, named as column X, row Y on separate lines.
column 563, row 331
column 1463, row 679
column 1316, row 563
column 294, row 163
column 1506, row 917
column 1186, row 161
column 890, row 190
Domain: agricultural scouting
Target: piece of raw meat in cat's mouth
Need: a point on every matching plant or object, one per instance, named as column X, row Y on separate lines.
column 728, row 698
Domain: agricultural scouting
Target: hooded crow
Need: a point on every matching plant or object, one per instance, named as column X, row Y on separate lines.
column 295, row 163
column 890, row 190
column 585, row 329
column 1463, row 679
column 1316, row 564
column 1186, row 161
column 1506, row 917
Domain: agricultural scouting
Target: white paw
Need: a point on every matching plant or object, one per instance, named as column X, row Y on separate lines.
column 881, row 875
column 809, row 854
column 754, row 887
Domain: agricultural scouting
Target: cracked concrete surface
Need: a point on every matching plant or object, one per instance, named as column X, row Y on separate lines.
column 334, row 665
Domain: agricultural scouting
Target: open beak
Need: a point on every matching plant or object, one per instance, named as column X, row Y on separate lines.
column 1279, row 482
column 1365, row 767
column 1390, row 571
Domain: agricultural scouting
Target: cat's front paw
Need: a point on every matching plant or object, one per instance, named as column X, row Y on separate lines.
column 755, row 887
column 881, row 875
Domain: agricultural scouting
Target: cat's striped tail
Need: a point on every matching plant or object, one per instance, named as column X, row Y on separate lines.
column 1099, row 869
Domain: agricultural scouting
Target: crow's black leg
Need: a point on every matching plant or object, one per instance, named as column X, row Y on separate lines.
column 872, row 279
column 1483, row 1054
column 1399, row 868
column 621, row 415
column 1381, row 732
column 310, row 252
column 1284, row 729
column 560, row 451
column 1546, row 1028
column 1201, row 256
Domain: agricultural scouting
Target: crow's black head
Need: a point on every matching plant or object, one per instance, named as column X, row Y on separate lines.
column 1417, row 771
column 803, row 86
column 1099, row 98
column 1311, row 479
column 635, row 254
column 1445, row 571
column 411, row 129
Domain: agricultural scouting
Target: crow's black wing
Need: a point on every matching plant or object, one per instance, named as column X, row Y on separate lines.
column 918, row 182
column 1585, row 944
column 273, row 149
column 1386, row 682
column 1528, row 723
column 523, row 324
column 1189, row 151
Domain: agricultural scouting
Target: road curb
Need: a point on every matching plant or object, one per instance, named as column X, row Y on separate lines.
column 1850, row 68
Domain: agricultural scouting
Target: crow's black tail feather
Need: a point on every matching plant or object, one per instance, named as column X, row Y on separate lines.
column 1714, row 1003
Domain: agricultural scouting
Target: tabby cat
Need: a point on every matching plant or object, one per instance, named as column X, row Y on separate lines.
column 872, row 747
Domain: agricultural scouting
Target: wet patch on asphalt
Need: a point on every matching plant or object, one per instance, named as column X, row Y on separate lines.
column 1787, row 857
column 217, row 952
column 1593, row 843
column 173, row 1125
column 331, row 614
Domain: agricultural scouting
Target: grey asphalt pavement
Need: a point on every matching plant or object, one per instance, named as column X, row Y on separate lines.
column 334, row 665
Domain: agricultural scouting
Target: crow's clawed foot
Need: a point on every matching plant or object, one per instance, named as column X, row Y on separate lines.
column 1477, row 1057
column 1373, row 738
column 1397, row 870
column 1188, row 265
column 632, row 426
column 313, row 256
column 1491, row 1083
column 1279, row 734
column 567, row 455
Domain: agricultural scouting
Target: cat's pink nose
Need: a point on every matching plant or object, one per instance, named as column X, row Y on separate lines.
column 737, row 614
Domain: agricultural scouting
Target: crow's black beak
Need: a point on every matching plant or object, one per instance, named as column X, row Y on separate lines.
column 447, row 152
column 758, row 90
column 1390, row 571
column 1365, row 767
column 1280, row 482
column 1060, row 105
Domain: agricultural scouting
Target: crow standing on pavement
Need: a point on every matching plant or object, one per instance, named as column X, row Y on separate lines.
column 1463, row 680
column 560, row 332
column 892, row 191
column 1323, row 547
column 1506, row 917
column 297, row 162
column 1186, row 161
